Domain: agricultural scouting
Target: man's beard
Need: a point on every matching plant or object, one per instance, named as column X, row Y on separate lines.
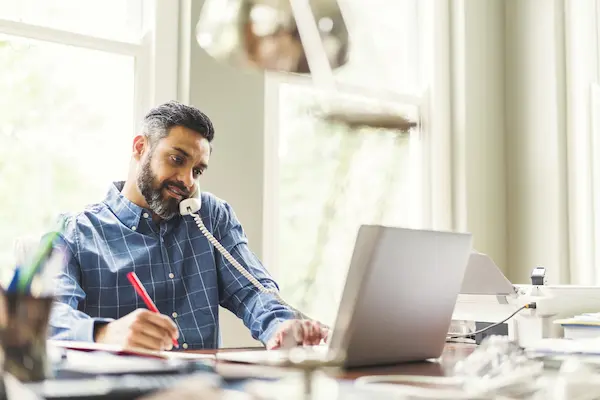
column 152, row 190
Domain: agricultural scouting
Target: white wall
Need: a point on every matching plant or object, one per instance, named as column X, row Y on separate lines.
column 535, row 141
column 479, row 178
column 544, row 54
column 509, row 127
column 234, row 101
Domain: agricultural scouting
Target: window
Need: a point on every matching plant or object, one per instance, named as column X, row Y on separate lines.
column 120, row 20
column 324, row 179
column 582, row 144
column 76, row 80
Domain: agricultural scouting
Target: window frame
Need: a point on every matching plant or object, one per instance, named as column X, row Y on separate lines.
column 431, row 155
column 582, row 151
column 155, row 55
column 595, row 131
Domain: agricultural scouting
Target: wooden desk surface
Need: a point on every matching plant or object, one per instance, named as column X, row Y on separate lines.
column 453, row 352
column 451, row 355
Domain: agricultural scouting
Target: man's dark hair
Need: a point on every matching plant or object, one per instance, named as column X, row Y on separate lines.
column 161, row 119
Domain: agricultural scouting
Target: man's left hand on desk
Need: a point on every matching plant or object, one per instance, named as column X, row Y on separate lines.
column 298, row 332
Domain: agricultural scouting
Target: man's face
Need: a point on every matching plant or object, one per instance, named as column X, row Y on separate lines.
column 170, row 171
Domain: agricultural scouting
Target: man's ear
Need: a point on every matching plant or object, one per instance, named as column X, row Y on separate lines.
column 140, row 145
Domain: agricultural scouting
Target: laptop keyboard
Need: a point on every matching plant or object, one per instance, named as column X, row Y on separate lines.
column 318, row 353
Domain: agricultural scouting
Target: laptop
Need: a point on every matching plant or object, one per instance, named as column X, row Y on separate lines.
column 397, row 302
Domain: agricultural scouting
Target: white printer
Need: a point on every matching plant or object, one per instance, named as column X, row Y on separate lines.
column 487, row 296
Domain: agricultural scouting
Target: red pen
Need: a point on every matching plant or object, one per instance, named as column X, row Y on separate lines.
column 141, row 291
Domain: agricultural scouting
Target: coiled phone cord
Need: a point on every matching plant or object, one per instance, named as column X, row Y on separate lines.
column 245, row 273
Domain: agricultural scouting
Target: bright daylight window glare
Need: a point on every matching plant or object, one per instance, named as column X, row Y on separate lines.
column 68, row 109
column 331, row 179
column 108, row 19
column 64, row 112
column 385, row 51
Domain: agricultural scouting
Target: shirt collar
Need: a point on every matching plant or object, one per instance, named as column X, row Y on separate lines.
column 127, row 212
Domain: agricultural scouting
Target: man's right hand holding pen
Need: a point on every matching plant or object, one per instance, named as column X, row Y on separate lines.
column 141, row 328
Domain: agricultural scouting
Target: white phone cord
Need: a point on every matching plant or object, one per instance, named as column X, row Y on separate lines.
column 241, row 269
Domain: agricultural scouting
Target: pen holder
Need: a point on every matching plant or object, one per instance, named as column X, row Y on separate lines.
column 23, row 334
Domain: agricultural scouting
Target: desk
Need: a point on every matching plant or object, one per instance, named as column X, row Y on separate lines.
column 236, row 376
column 453, row 352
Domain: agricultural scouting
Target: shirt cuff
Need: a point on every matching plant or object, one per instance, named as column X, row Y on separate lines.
column 84, row 330
column 270, row 331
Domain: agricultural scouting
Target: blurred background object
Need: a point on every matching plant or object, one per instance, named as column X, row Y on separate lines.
column 289, row 36
column 274, row 35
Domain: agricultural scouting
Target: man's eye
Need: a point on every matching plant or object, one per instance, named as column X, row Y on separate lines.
column 177, row 160
column 197, row 172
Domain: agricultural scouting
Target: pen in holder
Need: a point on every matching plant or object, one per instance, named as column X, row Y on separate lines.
column 23, row 329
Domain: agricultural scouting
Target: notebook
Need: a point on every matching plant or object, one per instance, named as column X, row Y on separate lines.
column 92, row 346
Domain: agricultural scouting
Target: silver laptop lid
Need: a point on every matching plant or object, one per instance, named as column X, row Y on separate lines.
column 399, row 296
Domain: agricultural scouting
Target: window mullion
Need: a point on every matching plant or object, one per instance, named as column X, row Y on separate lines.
column 43, row 33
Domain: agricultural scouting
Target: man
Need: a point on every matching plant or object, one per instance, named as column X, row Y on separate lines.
column 137, row 227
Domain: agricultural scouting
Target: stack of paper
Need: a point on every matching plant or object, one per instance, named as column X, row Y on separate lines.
column 581, row 326
column 589, row 347
column 92, row 346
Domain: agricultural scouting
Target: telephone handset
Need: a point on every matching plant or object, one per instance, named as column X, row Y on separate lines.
column 190, row 207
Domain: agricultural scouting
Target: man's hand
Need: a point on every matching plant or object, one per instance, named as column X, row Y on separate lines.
column 298, row 332
column 141, row 328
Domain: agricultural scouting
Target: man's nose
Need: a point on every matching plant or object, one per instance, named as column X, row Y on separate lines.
column 187, row 178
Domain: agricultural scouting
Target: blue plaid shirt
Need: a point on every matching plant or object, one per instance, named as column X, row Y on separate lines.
column 185, row 276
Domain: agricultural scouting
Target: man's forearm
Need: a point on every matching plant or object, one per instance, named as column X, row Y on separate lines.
column 268, row 313
column 67, row 323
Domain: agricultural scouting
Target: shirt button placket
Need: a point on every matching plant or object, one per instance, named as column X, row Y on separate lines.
column 165, row 260
column 171, row 275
